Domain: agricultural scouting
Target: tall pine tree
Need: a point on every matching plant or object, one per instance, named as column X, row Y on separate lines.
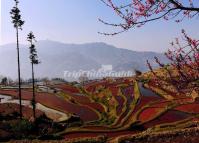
column 18, row 22
column 34, row 61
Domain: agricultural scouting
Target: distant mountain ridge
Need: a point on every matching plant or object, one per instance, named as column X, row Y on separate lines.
column 58, row 57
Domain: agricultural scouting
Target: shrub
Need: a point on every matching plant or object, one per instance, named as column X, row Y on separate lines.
column 22, row 126
column 21, row 129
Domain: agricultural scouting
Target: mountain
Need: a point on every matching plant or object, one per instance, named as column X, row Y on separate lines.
column 58, row 57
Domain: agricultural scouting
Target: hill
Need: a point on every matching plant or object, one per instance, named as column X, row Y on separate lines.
column 58, row 57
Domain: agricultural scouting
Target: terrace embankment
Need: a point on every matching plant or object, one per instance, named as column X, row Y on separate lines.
column 54, row 102
column 114, row 108
column 51, row 113
column 189, row 135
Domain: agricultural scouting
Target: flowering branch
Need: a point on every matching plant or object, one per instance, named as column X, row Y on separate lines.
column 139, row 12
column 183, row 71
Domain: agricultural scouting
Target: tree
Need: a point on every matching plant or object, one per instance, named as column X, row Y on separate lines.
column 4, row 81
column 137, row 72
column 183, row 71
column 16, row 20
column 34, row 61
column 136, row 13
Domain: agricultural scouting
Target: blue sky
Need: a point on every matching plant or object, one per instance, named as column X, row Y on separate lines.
column 76, row 21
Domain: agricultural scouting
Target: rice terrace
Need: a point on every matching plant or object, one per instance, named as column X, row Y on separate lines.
column 158, row 102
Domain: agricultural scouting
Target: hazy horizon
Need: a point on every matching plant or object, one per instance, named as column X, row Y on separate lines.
column 56, row 58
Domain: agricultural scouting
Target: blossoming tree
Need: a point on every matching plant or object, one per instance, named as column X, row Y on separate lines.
column 183, row 71
column 136, row 13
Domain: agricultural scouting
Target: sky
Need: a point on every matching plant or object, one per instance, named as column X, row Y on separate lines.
column 76, row 21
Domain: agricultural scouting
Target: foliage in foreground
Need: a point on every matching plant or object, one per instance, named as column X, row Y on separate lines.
column 183, row 71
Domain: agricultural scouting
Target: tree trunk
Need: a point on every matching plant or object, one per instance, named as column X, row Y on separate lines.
column 33, row 96
column 19, row 73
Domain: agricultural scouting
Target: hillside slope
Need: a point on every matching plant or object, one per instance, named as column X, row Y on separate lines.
column 58, row 57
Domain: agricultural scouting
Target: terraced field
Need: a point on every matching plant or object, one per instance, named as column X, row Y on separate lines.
column 114, row 108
